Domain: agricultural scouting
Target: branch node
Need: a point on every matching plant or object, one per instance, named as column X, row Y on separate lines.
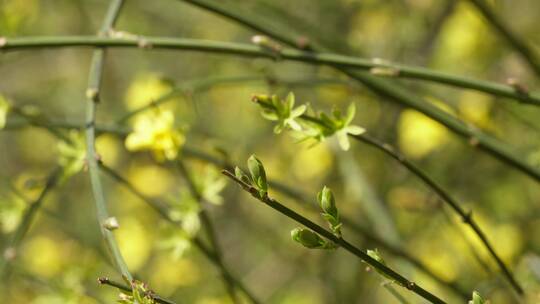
column 92, row 94
column 143, row 43
column 384, row 71
column 3, row 42
column 518, row 87
column 10, row 254
column 474, row 141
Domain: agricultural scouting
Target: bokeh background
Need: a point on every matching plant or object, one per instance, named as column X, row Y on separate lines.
column 62, row 255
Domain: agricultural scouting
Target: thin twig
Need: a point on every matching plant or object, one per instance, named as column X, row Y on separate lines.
column 92, row 95
column 466, row 216
column 10, row 252
column 526, row 51
column 401, row 280
column 109, row 282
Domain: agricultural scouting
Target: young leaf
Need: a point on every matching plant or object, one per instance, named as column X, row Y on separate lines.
column 310, row 239
column 258, row 175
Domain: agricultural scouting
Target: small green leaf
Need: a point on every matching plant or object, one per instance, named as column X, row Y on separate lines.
column 351, row 111
column 258, row 175
column 477, row 299
column 310, row 239
column 241, row 175
column 327, row 201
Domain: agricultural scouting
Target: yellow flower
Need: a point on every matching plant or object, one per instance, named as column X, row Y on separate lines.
column 155, row 131
column 4, row 108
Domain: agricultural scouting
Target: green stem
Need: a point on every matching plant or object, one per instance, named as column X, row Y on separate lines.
column 466, row 216
column 335, row 60
column 384, row 88
column 109, row 282
column 26, row 221
column 92, row 94
column 209, row 227
column 163, row 210
column 401, row 280
column 514, row 40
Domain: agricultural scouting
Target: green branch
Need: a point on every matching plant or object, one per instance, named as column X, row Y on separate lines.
column 337, row 240
column 375, row 67
column 92, row 95
column 10, row 252
column 466, row 216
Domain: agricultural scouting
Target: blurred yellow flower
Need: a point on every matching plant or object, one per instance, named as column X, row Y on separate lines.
column 155, row 131
column 72, row 154
column 145, row 89
column 475, row 108
column 4, row 108
column 43, row 257
column 130, row 236
column 419, row 135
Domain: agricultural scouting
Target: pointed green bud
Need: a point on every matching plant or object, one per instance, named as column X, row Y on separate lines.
column 261, row 98
column 476, row 298
column 309, row 239
column 258, row 175
column 327, row 202
column 241, row 175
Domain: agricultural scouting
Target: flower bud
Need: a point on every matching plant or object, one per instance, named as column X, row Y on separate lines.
column 241, row 175
column 307, row 238
column 476, row 298
column 327, row 202
column 258, row 175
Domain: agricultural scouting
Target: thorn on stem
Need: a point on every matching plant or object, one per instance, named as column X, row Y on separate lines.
column 474, row 141
column 143, row 43
column 303, row 42
column 384, row 71
column 517, row 86
column 467, row 218
column 92, row 94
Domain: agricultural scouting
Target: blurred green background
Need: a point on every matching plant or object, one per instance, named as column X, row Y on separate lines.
column 63, row 253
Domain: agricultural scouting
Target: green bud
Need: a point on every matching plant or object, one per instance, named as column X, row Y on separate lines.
column 261, row 98
column 327, row 202
column 111, row 223
column 258, row 175
column 308, row 238
column 241, row 175
column 476, row 298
